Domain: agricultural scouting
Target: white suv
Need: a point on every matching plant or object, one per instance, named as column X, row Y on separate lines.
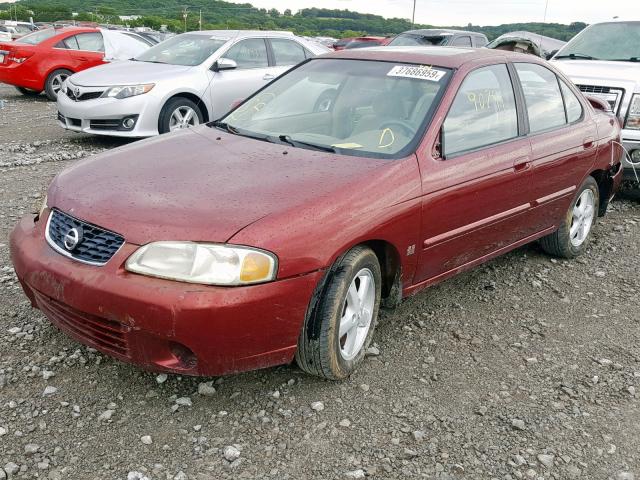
column 604, row 61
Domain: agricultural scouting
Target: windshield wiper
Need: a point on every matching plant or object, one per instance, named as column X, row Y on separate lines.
column 631, row 59
column 573, row 56
column 299, row 144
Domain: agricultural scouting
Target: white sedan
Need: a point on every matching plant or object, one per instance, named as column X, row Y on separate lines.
column 182, row 82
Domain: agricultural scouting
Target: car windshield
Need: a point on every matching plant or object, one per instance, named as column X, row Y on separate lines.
column 411, row 40
column 38, row 37
column 605, row 41
column 352, row 107
column 186, row 49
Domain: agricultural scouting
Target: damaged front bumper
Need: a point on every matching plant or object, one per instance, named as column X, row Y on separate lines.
column 157, row 324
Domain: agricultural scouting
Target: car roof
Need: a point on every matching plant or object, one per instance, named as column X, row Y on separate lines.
column 439, row 31
column 233, row 34
column 448, row 57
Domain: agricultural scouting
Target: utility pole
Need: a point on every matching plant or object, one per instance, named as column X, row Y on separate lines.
column 200, row 21
column 184, row 15
column 413, row 18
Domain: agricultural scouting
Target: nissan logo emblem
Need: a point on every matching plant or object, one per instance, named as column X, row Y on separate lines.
column 73, row 238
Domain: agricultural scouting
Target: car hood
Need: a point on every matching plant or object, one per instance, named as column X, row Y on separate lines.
column 601, row 72
column 199, row 185
column 126, row 72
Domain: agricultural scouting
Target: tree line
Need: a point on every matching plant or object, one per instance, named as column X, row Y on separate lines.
column 217, row 14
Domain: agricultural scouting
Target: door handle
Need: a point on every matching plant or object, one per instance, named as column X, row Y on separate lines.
column 588, row 143
column 268, row 76
column 522, row 164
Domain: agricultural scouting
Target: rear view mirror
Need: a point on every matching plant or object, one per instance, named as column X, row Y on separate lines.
column 599, row 104
column 224, row 64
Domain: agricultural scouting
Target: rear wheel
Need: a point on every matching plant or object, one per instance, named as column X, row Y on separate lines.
column 339, row 328
column 28, row 92
column 54, row 83
column 179, row 113
column 573, row 236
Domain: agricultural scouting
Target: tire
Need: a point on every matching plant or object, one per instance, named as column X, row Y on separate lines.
column 322, row 351
column 27, row 92
column 178, row 104
column 54, row 82
column 566, row 243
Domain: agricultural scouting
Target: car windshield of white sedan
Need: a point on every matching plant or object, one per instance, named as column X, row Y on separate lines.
column 352, row 107
column 38, row 37
column 187, row 49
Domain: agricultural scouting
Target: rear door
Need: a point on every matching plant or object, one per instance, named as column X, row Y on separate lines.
column 285, row 54
column 476, row 182
column 563, row 143
column 253, row 73
column 85, row 50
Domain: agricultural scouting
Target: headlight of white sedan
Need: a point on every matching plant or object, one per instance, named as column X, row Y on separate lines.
column 126, row 91
column 204, row 263
column 633, row 118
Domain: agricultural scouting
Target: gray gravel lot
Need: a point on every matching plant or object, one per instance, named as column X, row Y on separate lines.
column 527, row 367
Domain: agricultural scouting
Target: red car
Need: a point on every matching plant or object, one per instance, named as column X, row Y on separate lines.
column 354, row 180
column 360, row 42
column 44, row 59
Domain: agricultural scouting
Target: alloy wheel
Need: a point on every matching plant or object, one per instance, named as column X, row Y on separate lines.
column 582, row 217
column 183, row 117
column 56, row 83
column 357, row 314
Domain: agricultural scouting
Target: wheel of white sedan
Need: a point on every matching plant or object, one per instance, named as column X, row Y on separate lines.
column 573, row 236
column 179, row 113
column 339, row 327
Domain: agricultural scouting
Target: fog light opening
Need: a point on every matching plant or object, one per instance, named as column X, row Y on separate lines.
column 185, row 357
column 635, row 156
column 128, row 123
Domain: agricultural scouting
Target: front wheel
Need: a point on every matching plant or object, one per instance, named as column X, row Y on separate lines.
column 179, row 113
column 54, row 83
column 339, row 328
column 573, row 236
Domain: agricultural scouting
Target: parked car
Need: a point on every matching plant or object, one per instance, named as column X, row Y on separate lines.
column 44, row 59
column 528, row 42
column 357, row 178
column 360, row 42
column 5, row 34
column 439, row 37
column 604, row 61
column 184, row 81
column 17, row 29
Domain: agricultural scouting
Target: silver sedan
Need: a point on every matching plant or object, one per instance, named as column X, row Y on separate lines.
column 184, row 81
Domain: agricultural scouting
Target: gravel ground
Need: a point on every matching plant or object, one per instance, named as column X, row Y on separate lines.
column 527, row 367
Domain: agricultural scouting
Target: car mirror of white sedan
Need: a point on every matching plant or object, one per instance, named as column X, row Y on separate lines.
column 224, row 64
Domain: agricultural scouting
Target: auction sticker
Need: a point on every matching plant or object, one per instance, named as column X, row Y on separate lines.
column 421, row 72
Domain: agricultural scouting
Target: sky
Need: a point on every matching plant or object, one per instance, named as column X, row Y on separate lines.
column 477, row 12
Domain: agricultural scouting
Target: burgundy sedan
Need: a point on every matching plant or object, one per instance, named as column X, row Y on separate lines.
column 278, row 231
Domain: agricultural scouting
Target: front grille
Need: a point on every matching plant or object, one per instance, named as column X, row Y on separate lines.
column 613, row 96
column 76, row 94
column 94, row 245
column 88, row 329
column 88, row 96
column 111, row 124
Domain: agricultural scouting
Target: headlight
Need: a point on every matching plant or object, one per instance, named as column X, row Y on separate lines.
column 40, row 207
column 633, row 117
column 204, row 263
column 126, row 91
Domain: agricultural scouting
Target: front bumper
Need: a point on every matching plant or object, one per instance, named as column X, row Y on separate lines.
column 157, row 324
column 79, row 116
column 630, row 141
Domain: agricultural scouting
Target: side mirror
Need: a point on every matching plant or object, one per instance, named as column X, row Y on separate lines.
column 551, row 54
column 224, row 64
column 599, row 104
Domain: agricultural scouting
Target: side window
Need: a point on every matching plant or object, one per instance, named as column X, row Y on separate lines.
column 287, row 52
column 480, row 41
column 250, row 53
column 571, row 103
column 71, row 43
column 90, row 42
column 542, row 96
column 461, row 42
column 483, row 112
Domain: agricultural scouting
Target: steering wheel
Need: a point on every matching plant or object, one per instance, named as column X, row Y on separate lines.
column 407, row 127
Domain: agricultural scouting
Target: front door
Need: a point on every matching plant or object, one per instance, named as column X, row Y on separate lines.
column 476, row 192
